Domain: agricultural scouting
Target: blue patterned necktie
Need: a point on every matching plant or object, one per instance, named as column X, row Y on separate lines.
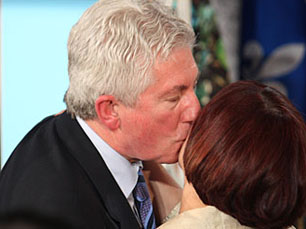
column 143, row 203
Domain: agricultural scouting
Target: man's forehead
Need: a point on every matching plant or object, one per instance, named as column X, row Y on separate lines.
column 178, row 72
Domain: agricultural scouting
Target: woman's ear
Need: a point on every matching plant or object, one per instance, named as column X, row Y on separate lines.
column 106, row 109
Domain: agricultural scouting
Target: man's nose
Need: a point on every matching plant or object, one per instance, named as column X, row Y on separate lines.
column 192, row 108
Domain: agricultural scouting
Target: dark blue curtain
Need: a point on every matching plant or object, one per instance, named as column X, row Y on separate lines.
column 273, row 38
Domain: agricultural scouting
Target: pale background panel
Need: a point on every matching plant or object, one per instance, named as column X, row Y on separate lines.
column 33, row 63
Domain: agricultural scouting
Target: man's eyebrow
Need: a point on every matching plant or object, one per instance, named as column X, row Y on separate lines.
column 175, row 89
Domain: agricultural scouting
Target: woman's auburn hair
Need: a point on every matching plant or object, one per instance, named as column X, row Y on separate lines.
column 246, row 155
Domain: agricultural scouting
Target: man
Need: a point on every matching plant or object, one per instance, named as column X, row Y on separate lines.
column 130, row 99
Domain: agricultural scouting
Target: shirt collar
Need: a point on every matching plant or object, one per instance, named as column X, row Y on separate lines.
column 124, row 172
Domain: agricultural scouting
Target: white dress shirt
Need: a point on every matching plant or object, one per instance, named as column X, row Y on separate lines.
column 124, row 172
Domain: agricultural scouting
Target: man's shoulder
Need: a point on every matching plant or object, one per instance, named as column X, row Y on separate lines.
column 41, row 150
column 43, row 175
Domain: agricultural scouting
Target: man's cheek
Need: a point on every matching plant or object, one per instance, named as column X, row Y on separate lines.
column 168, row 120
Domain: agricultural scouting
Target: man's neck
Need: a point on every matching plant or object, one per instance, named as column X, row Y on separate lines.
column 103, row 133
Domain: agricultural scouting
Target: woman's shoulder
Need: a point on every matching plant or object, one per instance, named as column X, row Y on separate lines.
column 204, row 218
column 207, row 217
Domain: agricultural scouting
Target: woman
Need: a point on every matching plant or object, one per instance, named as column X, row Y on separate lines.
column 245, row 162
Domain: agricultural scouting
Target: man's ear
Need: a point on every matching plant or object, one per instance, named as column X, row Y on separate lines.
column 106, row 109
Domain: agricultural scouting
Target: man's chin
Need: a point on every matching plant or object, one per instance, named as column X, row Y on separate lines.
column 169, row 157
column 169, row 160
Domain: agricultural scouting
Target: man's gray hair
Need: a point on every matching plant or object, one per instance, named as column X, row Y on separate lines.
column 112, row 49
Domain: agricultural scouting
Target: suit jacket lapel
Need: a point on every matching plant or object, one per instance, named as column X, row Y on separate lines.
column 90, row 160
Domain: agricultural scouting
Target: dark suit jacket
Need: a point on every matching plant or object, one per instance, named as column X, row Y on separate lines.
column 57, row 171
